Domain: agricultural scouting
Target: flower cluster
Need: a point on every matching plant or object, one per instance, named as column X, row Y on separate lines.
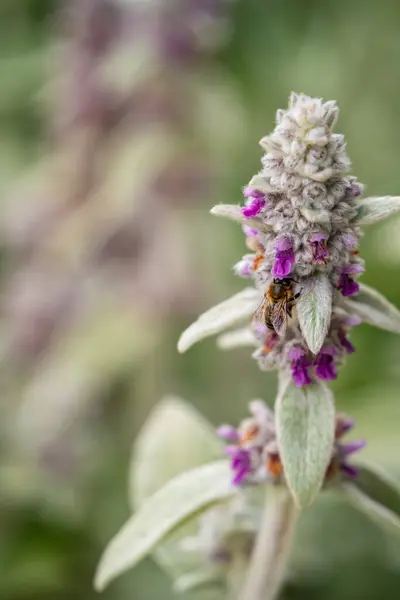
column 303, row 365
column 306, row 205
column 254, row 450
column 301, row 218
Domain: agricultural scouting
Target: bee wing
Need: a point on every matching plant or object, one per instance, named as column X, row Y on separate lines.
column 258, row 319
column 279, row 317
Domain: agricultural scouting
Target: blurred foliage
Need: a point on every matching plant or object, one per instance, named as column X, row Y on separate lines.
column 57, row 513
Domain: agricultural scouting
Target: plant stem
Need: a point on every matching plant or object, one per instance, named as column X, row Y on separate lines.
column 236, row 575
column 272, row 547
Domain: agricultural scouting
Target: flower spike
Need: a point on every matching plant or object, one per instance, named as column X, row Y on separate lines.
column 301, row 218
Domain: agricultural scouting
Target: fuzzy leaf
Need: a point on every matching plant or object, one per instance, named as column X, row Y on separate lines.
column 218, row 318
column 379, row 486
column 259, row 182
column 174, row 438
column 375, row 511
column 305, row 421
column 284, row 380
column 314, row 307
column 234, row 212
column 377, row 495
column 238, row 338
column 182, row 497
column 375, row 209
column 373, row 308
column 195, row 580
column 316, row 216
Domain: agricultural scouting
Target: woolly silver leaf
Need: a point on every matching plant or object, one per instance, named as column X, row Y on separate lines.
column 314, row 308
column 174, row 439
column 238, row 338
column 218, row 318
column 377, row 496
column 305, row 422
column 373, row 308
column 376, row 209
column 234, row 212
column 182, row 497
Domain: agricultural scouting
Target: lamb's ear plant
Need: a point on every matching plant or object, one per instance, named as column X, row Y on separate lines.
column 301, row 219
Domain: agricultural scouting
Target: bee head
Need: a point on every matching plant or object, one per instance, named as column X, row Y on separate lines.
column 286, row 281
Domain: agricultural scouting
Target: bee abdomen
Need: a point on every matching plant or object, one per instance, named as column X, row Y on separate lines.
column 269, row 324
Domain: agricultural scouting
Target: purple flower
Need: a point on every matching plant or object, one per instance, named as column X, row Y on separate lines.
column 319, row 250
column 284, row 258
column 346, row 450
column 250, row 192
column 250, row 441
column 228, row 432
column 352, row 447
column 352, row 321
column 240, row 457
column 355, row 190
column 342, row 451
column 249, row 231
column 343, row 425
column 349, row 241
column 349, row 470
column 240, row 463
column 299, row 365
column 347, row 345
column 244, row 267
column 353, row 269
column 254, row 204
column 347, row 285
column 324, row 364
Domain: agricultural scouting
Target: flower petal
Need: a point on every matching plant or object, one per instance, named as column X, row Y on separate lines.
column 218, row 318
column 349, row 470
column 375, row 209
column 352, row 447
column 228, row 432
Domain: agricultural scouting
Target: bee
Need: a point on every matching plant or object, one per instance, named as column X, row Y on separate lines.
column 276, row 306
